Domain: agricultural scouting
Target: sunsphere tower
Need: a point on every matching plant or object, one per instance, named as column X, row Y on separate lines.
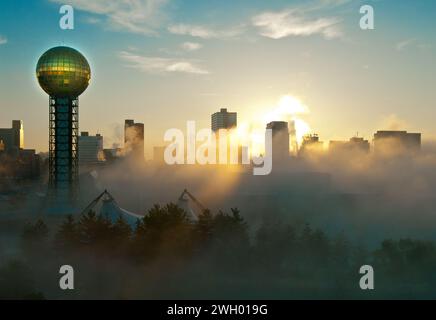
column 64, row 74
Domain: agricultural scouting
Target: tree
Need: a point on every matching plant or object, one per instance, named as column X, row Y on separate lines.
column 203, row 229
column 229, row 241
column 121, row 237
column 275, row 245
column 163, row 231
column 16, row 282
column 35, row 237
column 67, row 236
column 94, row 231
column 121, row 230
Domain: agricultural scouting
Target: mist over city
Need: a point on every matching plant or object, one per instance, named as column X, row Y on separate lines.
column 272, row 154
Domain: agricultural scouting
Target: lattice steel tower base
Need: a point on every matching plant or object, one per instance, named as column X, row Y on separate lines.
column 63, row 146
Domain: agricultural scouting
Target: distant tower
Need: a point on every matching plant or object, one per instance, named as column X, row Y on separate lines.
column 311, row 143
column 293, row 137
column 280, row 140
column 13, row 138
column 90, row 148
column 224, row 120
column 64, row 74
column 134, row 139
column 396, row 142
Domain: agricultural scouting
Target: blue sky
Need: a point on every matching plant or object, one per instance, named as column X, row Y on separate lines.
column 163, row 62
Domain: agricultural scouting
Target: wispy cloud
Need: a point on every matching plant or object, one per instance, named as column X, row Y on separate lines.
column 92, row 20
column 161, row 65
column 282, row 24
column 205, row 32
column 191, row 46
column 333, row 3
column 136, row 16
column 393, row 122
column 400, row 46
column 3, row 40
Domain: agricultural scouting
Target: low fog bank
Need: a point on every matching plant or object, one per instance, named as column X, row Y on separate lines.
column 301, row 232
column 370, row 197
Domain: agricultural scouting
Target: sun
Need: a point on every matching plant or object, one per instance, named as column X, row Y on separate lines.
column 288, row 108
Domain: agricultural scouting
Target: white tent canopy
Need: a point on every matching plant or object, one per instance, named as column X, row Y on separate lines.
column 106, row 206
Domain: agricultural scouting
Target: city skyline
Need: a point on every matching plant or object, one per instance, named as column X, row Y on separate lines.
column 180, row 67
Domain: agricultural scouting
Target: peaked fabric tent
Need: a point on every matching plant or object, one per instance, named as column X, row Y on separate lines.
column 105, row 205
column 186, row 200
column 184, row 203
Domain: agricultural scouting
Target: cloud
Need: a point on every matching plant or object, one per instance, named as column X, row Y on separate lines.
column 136, row 16
column 277, row 25
column 191, row 46
column 204, row 32
column 333, row 3
column 3, row 40
column 161, row 65
column 92, row 20
column 393, row 122
column 403, row 44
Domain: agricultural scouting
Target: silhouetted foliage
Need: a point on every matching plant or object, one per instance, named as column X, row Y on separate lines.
column 220, row 251
column 406, row 257
column 34, row 236
column 93, row 230
column 67, row 236
column 16, row 282
column 163, row 231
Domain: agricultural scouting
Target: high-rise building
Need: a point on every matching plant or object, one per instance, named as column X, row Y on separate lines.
column 293, row 137
column 13, row 138
column 228, row 151
column 17, row 162
column 355, row 144
column 134, row 139
column 112, row 154
column 280, row 140
column 90, row 148
column 224, row 120
column 23, row 164
column 64, row 74
column 311, row 143
column 397, row 142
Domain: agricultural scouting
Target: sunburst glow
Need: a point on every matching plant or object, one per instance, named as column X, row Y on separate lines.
column 289, row 109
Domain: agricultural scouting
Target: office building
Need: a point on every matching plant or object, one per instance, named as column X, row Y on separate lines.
column 19, row 164
column 13, row 138
column 293, row 137
column 113, row 154
column 397, row 142
column 280, row 140
column 15, row 161
column 134, row 139
column 90, row 148
column 311, row 143
column 355, row 144
column 224, row 120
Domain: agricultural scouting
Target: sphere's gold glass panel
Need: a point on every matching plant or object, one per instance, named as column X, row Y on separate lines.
column 63, row 72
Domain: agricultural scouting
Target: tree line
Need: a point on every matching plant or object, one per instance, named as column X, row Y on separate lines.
column 220, row 256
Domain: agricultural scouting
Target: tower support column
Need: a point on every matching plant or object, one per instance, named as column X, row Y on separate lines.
column 63, row 147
